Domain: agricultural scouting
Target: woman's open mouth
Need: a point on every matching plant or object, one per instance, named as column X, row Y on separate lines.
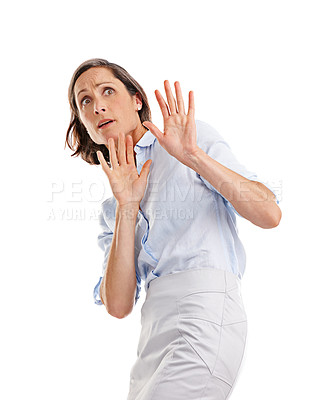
column 105, row 123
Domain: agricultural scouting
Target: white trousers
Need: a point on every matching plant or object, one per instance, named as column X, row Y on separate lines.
column 193, row 337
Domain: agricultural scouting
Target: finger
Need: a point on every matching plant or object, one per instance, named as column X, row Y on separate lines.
column 191, row 106
column 130, row 150
column 163, row 105
column 103, row 162
column 170, row 98
column 113, row 154
column 122, row 148
column 179, row 97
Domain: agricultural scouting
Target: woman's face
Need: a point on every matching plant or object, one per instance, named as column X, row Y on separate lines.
column 100, row 96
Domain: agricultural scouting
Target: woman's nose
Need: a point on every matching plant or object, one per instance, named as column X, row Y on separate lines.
column 99, row 109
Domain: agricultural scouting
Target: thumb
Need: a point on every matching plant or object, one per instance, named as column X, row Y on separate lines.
column 156, row 132
column 146, row 169
column 102, row 161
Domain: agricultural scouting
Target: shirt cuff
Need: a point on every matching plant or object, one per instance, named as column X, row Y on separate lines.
column 96, row 292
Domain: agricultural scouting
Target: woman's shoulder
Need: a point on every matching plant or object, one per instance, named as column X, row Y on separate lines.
column 107, row 213
column 108, row 203
column 207, row 134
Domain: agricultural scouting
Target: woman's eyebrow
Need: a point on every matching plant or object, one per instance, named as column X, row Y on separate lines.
column 97, row 84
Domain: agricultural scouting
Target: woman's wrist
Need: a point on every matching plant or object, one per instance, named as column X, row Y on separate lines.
column 129, row 209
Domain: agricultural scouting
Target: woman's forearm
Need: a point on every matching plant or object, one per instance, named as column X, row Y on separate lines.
column 251, row 199
column 118, row 286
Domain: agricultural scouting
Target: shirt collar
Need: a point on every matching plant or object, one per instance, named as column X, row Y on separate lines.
column 146, row 140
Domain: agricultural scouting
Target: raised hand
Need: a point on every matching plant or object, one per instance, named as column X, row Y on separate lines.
column 127, row 186
column 179, row 134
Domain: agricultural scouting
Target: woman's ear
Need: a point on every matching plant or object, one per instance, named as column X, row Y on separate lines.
column 138, row 100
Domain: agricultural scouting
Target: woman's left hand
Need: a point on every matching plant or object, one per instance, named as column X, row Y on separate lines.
column 179, row 136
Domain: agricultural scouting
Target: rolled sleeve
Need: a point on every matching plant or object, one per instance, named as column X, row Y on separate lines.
column 138, row 287
column 104, row 242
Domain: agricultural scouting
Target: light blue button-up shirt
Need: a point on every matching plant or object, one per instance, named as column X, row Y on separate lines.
column 185, row 222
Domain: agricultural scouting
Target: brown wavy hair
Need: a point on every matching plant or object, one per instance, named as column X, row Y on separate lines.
column 77, row 137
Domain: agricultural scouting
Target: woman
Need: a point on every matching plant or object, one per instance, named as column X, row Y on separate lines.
column 171, row 222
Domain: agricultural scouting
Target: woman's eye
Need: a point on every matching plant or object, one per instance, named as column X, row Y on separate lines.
column 107, row 90
column 85, row 101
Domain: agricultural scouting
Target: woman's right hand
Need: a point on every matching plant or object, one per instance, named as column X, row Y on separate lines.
column 127, row 186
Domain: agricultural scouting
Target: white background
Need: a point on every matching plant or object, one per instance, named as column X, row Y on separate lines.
column 259, row 71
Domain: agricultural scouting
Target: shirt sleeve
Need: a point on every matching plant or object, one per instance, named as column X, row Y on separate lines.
column 104, row 242
column 218, row 149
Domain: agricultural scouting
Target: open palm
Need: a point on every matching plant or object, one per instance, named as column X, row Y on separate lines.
column 179, row 133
